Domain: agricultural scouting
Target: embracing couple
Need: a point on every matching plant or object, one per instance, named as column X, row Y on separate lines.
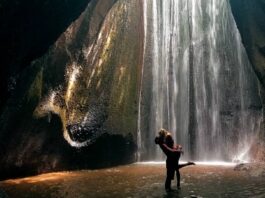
column 173, row 153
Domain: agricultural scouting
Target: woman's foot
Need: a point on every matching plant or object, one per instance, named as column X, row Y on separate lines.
column 191, row 163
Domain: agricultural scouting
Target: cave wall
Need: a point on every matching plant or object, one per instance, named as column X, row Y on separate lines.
column 76, row 105
column 48, row 123
column 27, row 29
column 250, row 20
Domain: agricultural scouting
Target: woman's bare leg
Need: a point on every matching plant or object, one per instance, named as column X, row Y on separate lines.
column 178, row 173
column 186, row 164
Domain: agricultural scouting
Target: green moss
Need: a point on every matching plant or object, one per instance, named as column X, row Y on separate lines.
column 124, row 88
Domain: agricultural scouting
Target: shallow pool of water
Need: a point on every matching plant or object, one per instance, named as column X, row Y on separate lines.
column 138, row 180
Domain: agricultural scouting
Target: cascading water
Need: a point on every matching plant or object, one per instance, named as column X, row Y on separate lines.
column 197, row 81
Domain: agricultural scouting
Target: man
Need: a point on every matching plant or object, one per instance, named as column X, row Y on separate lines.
column 173, row 154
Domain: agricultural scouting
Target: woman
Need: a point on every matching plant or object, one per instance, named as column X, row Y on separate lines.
column 173, row 154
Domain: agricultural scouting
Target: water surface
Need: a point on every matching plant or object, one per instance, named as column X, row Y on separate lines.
column 138, row 180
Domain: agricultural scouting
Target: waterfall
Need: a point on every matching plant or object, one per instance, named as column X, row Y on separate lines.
column 197, row 82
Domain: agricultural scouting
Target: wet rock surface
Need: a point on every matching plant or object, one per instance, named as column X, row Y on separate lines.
column 249, row 17
column 253, row 169
column 81, row 93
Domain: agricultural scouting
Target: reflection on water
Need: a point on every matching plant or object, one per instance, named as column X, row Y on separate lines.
column 138, row 180
column 207, row 163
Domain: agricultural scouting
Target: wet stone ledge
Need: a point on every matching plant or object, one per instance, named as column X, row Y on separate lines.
column 253, row 169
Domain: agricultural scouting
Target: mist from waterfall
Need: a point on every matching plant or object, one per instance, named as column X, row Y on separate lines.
column 197, row 82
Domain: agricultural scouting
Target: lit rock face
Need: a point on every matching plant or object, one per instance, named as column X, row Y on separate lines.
column 99, row 93
column 76, row 106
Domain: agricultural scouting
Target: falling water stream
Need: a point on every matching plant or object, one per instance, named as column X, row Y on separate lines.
column 202, row 85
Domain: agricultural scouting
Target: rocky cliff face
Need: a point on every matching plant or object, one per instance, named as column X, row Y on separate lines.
column 27, row 29
column 249, row 16
column 76, row 106
column 250, row 19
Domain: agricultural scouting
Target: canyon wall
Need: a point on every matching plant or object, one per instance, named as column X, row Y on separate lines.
column 76, row 106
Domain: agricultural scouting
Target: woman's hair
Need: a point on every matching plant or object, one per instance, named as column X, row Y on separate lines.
column 160, row 139
column 163, row 133
column 165, row 136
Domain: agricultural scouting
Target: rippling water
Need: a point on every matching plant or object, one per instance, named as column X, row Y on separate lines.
column 138, row 180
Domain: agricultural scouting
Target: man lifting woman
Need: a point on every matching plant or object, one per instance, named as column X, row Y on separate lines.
column 173, row 153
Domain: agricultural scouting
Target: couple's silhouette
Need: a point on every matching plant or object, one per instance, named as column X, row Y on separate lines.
column 173, row 153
